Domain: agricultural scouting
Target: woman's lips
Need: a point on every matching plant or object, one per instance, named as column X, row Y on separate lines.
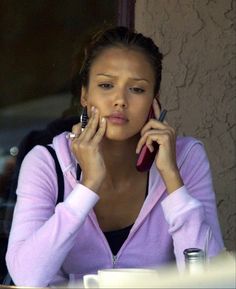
column 117, row 118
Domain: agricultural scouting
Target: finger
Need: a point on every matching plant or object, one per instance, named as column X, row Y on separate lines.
column 164, row 138
column 153, row 124
column 101, row 131
column 76, row 129
column 166, row 123
column 75, row 132
column 153, row 135
column 143, row 140
column 149, row 144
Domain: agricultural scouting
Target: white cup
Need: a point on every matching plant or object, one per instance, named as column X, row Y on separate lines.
column 122, row 278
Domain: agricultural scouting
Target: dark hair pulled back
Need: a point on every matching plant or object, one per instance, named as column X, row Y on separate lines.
column 117, row 37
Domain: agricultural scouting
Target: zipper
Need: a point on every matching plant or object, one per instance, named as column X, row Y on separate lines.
column 92, row 217
column 207, row 241
column 114, row 258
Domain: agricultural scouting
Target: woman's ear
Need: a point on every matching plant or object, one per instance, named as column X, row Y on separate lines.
column 157, row 97
column 83, row 98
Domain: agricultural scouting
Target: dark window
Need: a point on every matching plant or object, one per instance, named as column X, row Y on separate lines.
column 38, row 40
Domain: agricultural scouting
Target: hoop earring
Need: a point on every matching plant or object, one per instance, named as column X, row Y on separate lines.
column 84, row 118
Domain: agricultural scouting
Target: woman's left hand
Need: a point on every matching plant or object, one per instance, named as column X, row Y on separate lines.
column 165, row 136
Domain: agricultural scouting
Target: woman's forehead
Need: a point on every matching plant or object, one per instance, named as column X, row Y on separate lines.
column 116, row 60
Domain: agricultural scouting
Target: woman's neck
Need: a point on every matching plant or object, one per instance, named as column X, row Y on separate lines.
column 120, row 159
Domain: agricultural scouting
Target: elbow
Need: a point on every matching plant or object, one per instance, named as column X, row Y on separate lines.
column 21, row 274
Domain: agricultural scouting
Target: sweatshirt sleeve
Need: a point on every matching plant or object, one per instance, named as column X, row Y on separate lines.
column 191, row 210
column 42, row 234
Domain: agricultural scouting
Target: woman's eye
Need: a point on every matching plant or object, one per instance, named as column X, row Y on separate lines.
column 137, row 89
column 105, row 85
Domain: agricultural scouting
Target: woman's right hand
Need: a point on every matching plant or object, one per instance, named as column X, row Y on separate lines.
column 86, row 149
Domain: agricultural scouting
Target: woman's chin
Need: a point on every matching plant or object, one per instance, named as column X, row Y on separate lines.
column 119, row 135
column 116, row 137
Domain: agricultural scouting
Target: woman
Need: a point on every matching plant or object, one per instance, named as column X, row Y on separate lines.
column 113, row 216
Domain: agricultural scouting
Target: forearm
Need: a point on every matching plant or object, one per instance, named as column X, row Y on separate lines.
column 188, row 225
column 38, row 241
column 172, row 180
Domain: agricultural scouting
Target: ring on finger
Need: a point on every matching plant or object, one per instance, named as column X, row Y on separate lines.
column 72, row 135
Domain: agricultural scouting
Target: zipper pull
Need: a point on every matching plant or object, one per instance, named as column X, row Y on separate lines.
column 114, row 257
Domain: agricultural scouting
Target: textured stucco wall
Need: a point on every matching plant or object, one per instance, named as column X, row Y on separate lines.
column 198, row 40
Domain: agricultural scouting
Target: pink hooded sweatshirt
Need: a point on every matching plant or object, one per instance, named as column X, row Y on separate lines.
column 50, row 245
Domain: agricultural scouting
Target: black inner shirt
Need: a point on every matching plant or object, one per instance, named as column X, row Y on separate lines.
column 116, row 238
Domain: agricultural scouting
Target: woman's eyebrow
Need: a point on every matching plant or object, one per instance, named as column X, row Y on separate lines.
column 105, row 74
column 140, row 79
column 113, row 76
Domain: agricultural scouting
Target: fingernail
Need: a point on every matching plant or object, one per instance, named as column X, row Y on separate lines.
column 92, row 108
column 103, row 119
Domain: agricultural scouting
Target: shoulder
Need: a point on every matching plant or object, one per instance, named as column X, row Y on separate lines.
column 37, row 161
column 188, row 147
column 40, row 155
column 192, row 160
column 43, row 137
column 184, row 143
column 40, row 161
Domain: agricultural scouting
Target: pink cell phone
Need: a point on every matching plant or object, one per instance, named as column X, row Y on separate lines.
column 146, row 158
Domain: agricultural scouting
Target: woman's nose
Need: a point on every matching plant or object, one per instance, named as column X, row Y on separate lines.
column 121, row 98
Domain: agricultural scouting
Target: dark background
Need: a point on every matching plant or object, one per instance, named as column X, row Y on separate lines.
column 37, row 42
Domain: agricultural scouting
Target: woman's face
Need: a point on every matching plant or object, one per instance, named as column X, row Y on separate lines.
column 121, row 87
